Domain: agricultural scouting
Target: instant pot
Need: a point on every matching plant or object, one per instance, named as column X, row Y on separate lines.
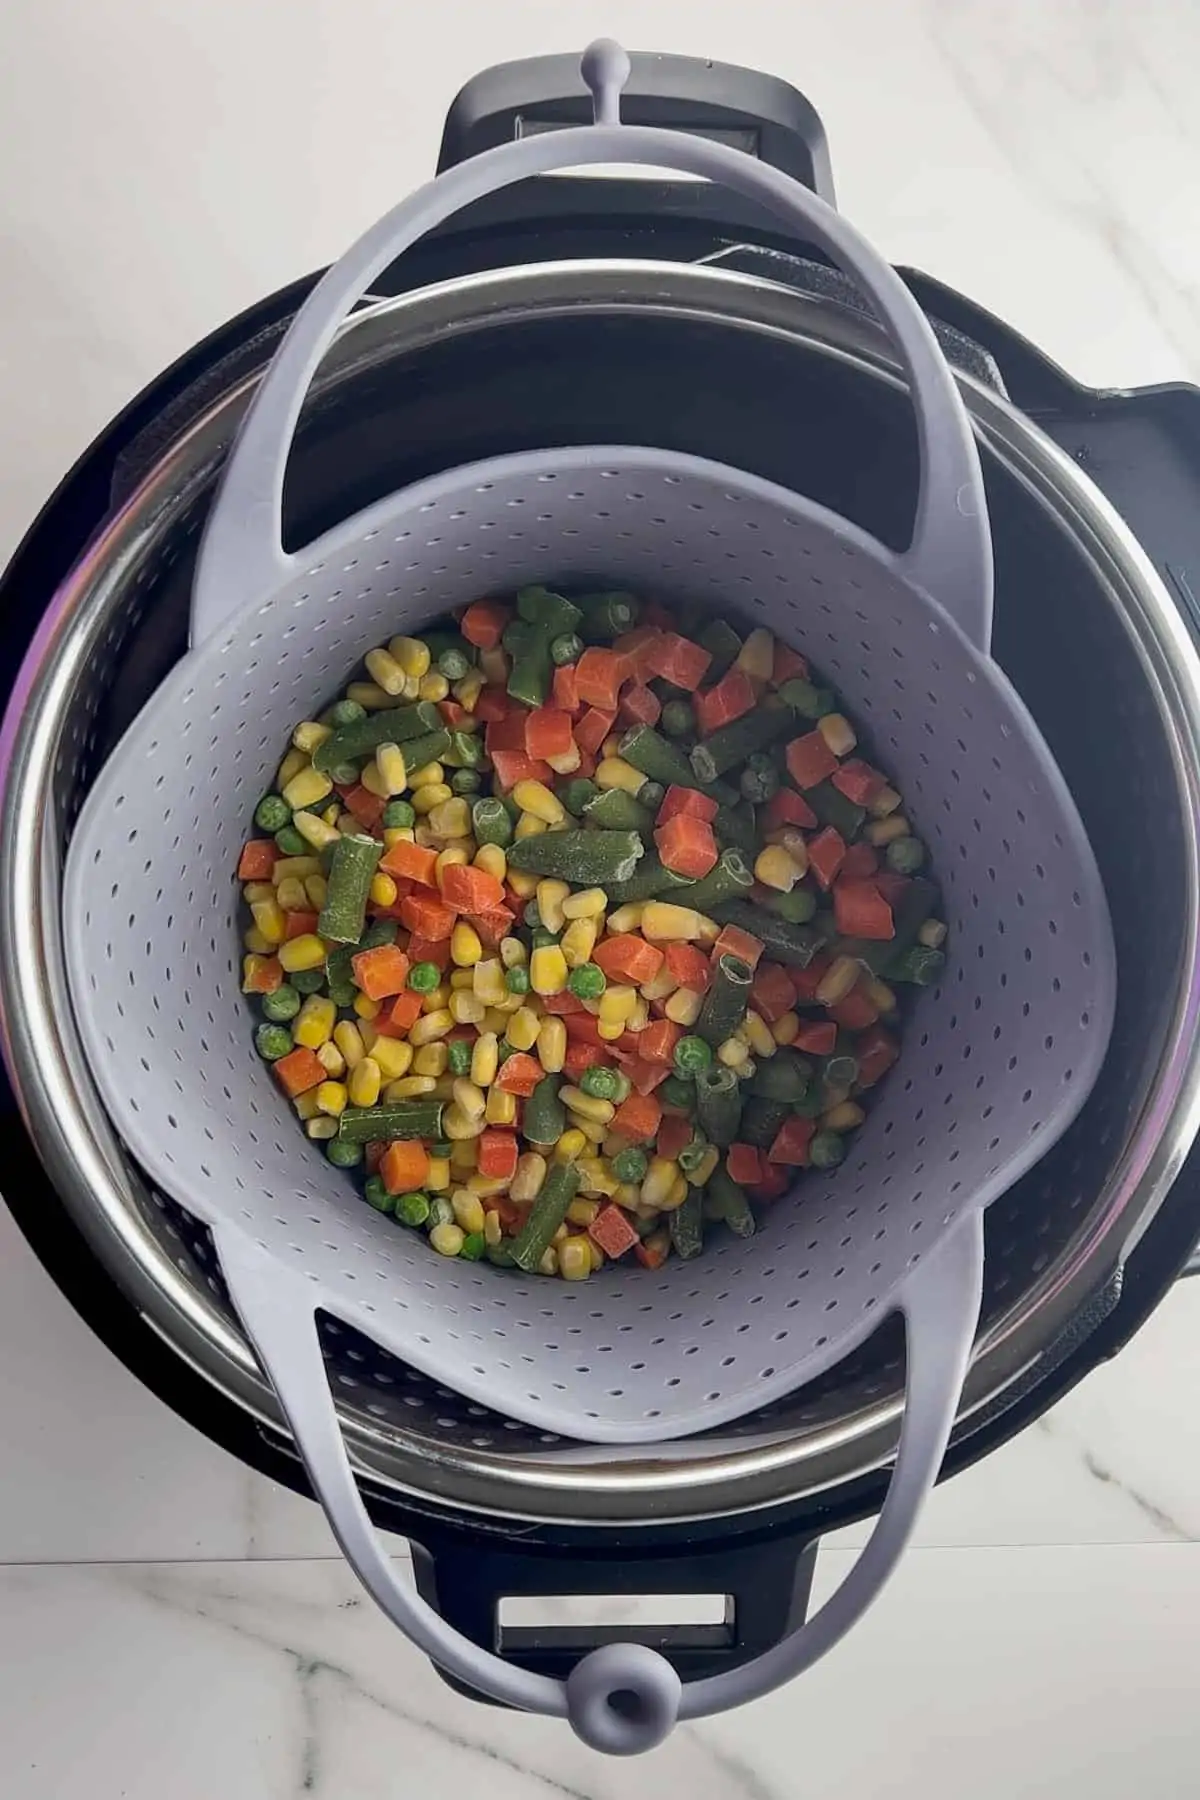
column 605, row 309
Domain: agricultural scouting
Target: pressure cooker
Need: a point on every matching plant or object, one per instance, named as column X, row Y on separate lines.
column 602, row 308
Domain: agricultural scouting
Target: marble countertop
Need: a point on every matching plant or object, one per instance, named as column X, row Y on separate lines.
column 171, row 1624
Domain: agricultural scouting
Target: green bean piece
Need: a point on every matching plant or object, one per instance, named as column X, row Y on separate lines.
column 272, row 813
column 919, row 966
column 343, row 1155
column 630, row 1165
column 587, row 982
column 531, row 672
column 339, row 975
column 679, row 719
column 584, row 858
column 735, row 826
column 434, row 746
column 786, row 1076
column 541, row 939
column 599, row 1082
column 840, row 1070
column 826, row 1150
column 516, row 979
column 442, row 1150
column 394, row 1119
column 726, row 1001
column 723, row 645
column 693, row 1154
column 691, row 1055
column 833, row 808
column 282, row 1005
column 657, row 757
column 906, row 855
column 344, row 712
column 761, row 1120
column 784, row 942
column 576, row 792
column 675, row 1091
column 885, row 956
column 379, row 931
column 465, row 751
column 289, row 842
column 466, row 781
column 398, row 815
column 550, row 612
column 423, row 977
column 307, row 981
column 438, row 642
column 272, row 1041
column 650, row 879
column 759, row 783
column 810, row 701
column 566, row 648
column 546, row 1214
column 361, row 737
column 412, row 1209
column 545, row 1117
column 797, row 908
column 491, row 822
column 343, row 916
column 606, row 616
column 458, row 1057
column 733, row 743
column 375, row 1193
column 729, row 1200
column 719, row 1104
column 730, row 877
column 686, row 1225
column 500, row 1255
column 616, row 810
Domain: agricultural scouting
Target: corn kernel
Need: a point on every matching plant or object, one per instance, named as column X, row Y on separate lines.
column 383, row 890
column 734, row 1053
column 315, row 831
column 513, row 953
column 293, row 762
column 443, row 1088
column 677, row 1195
column 256, row 943
column 368, row 1034
column 367, row 694
column 683, row 1006
column 550, row 897
column 431, row 1025
column 291, row 896
column 373, row 781
column 411, row 1087
column 495, row 1019
column 535, row 798
column 756, row 658
column 464, row 1154
column 486, row 1186
column 838, row 980
column 571, row 1144
column 501, row 1107
column 596, row 1254
column 626, row 918
column 466, row 1008
column 451, row 818
column 548, row 970
column 527, row 1180
column 313, row 1024
column 615, row 772
column 776, row 869
column 784, row 1030
column 522, row 883
column 394, row 1057
column 302, row 953
column 389, row 765
column 465, row 946
column 883, row 831
column 566, row 761
column 578, row 941
column 576, row 1101
column 468, row 687
column 468, row 1097
column 663, row 984
column 552, row 1045
column 430, row 774
column 252, row 967
column 447, row 1239
column 639, row 1018
column 582, row 1212
column 658, row 1182
column 398, row 834
column 456, row 1124
column 321, row 1127
column 881, row 996
column 348, row 1039
column 574, row 1259
column 307, row 788
column 385, row 671
column 522, row 1028
column 549, row 1262
column 366, row 1008
column 468, row 1210
column 433, row 686
column 431, row 1059
column 299, row 867
column 528, row 826
column 758, row 1034
column 588, row 903
column 365, row 1082
column 306, row 1105
column 846, row 1116
column 269, row 920
column 331, row 1098
column 663, row 923
column 706, row 1167
column 257, row 893
column 838, row 733
column 493, row 1231
column 424, row 799
column 594, row 1130
column 932, row 934
column 316, row 891
column 492, row 860
column 489, row 980
column 411, row 654
column 438, row 1179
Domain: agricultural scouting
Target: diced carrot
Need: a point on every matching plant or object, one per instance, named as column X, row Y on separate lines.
column 512, row 766
column 818, row 1038
column 427, row 916
column 733, row 696
column 452, row 714
column 688, row 803
column 594, row 727
column 492, row 705
column 426, row 949
column 686, row 846
column 565, row 692
column 628, row 958
column 787, row 665
column 652, row 1255
column 856, row 1012
column 406, row 1011
column 826, row 853
column 689, row 966
column 507, row 732
column 772, row 994
column 548, row 732
column 373, row 1156
column 386, row 1026
column 381, row 971
column 520, row 1074
column 470, row 890
column 677, row 660
column 483, row 623
column 674, row 1132
column 639, row 705
column 582, row 1028
column 266, row 977
column 364, row 806
column 810, row 760
column 657, row 1041
column 774, row 1183
column 496, row 1156
column 860, row 910
column 859, row 864
column 299, row 924
column 404, row 1165
column 646, row 1076
column 598, row 678
column 634, row 646
column 587, row 765
column 580, row 1057
column 298, row 1071
column 257, row 860
column 807, row 981
column 562, row 1004
column 787, row 807
column 612, row 1230
column 891, row 885
column 876, row 1051
column 638, row 1117
column 792, row 1140
column 511, row 1215
column 655, row 614
column 858, row 781
column 744, row 1164
column 493, row 925
column 412, row 862
column 733, row 941
column 627, row 1043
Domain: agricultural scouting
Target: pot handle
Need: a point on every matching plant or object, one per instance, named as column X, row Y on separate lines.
column 940, row 1302
column 242, row 560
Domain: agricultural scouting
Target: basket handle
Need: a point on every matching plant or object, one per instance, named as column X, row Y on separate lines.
column 242, row 560
column 941, row 1307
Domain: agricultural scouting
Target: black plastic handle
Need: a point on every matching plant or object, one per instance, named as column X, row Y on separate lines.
column 758, row 1596
column 741, row 107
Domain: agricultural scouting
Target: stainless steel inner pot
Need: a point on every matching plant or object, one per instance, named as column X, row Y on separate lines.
column 800, row 390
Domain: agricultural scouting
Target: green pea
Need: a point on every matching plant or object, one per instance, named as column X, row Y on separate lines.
column 282, row 1005
column 677, row 1092
column 598, row 1082
column 289, row 842
column 413, row 1209
column 307, row 981
column 906, row 855
column 345, row 712
column 272, row 1042
column 344, row 774
column 440, row 1211
column 453, row 663
column 826, row 1150
column 398, row 815
column 343, row 1155
column 473, row 1246
column 466, row 781
column 692, row 1055
column 587, row 982
column 375, row 1194
column 630, row 1165
column 272, row 813
column 517, row 980
column 423, row 977
column 678, row 718
column 531, row 917
column 458, row 1057
column 651, row 794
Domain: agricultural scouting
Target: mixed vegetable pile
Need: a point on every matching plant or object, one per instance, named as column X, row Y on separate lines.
column 580, row 936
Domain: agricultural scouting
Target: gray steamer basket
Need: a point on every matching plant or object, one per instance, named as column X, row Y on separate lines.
column 996, row 1063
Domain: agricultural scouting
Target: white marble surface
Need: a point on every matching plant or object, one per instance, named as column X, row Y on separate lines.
column 173, row 1625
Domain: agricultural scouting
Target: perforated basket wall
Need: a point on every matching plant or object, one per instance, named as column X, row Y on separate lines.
column 995, row 1064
